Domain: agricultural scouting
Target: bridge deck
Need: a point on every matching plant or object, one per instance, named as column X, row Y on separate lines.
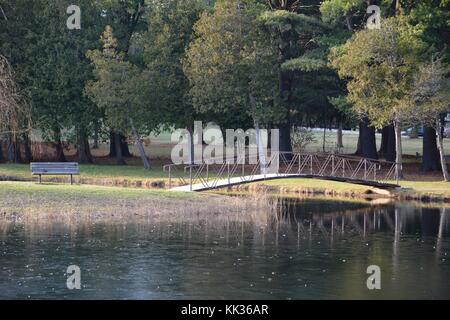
column 261, row 177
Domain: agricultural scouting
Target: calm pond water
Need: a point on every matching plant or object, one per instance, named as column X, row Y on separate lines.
column 309, row 249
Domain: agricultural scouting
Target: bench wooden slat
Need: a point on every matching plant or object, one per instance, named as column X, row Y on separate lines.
column 59, row 172
column 54, row 165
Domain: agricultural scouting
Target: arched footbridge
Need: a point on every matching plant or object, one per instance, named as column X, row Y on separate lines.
column 215, row 174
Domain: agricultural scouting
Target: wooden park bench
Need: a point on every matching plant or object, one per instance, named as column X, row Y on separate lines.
column 54, row 169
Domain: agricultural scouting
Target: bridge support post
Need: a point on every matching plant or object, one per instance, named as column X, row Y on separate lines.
column 228, row 170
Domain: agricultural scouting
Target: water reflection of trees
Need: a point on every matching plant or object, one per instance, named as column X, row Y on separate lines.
column 308, row 218
column 261, row 218
column 272, row 237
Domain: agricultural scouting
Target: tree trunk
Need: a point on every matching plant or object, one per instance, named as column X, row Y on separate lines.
column 60, row 157
column 367, row 146
column 96, row 129
column 441, row 149
column 430, row 152
column 398, row 149
column 285, row 87
column 339, row 142
column 387, row 148
column 285, row 137
column 139, row 145
column 118, row 150
column 125, row 147
column 324, row 138
column 27, row 148
column 384, row 141
column 13, row 150
column 9, row 150
column 84, row 153
column 112, row 144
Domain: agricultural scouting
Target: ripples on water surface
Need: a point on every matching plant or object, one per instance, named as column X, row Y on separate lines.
column 307, row 249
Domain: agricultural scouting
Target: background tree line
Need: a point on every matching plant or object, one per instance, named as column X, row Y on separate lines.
column 142, row 66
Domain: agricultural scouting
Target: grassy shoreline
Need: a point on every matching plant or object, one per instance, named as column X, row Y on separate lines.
column 156, row 179
column 25, row 201
column 100, row 175
column 427, row 191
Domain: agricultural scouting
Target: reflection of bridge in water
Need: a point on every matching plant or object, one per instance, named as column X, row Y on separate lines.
column 235, row 171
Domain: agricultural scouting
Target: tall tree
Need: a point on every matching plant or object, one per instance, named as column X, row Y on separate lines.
column 292, row 27
column 381, row 65
column 433, row 16
column 230, row 66
column 348, row 16
column 116, row 90
column 126, row 17
column 51, row 64
column 431, row 96
column 169, row 31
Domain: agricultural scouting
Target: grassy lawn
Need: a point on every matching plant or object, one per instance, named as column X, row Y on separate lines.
column 436, row 188
column 428, row 187
column 318, row 185
column 92, row 171
column 65, row 191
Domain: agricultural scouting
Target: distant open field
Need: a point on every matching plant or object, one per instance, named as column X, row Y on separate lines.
column 350, row 141
column 160, row 145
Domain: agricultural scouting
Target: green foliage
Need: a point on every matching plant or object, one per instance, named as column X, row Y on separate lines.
column 118, row 86
column 431, row 92
column 50, row 60
column 229, row 67
column 301, row 138
column 172, row 62
column 336, row 10
column 304, row 64
column 170, row 27
column 380, row 66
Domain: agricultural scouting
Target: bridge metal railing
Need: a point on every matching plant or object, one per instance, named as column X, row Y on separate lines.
column 337, row 166
column 241, row 169
column 210, row 172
